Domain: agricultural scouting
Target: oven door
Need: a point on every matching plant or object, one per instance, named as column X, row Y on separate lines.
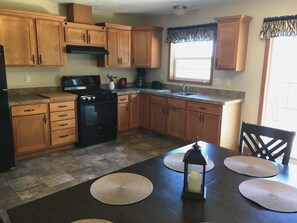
column 97, row 122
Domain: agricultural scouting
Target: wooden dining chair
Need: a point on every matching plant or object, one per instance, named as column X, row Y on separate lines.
column 266, row 142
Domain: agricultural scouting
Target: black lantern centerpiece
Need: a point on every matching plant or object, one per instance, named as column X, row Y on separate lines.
column 194, row 186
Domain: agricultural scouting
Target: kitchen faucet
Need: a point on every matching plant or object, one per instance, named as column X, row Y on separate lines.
column 183, row 87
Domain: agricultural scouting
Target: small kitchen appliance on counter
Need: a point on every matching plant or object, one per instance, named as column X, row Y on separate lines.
column 122, row 83
column 140, row 80
column 156, row 85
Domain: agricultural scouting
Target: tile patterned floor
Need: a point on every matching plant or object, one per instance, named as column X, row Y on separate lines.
column 37, row 177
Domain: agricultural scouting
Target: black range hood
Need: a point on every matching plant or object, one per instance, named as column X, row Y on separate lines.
column 86, row 50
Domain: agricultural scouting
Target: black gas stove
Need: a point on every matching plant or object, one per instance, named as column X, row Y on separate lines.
column 96, row 109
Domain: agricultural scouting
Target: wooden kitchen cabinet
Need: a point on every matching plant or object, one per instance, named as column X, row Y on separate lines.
column 203, row 124
column 168, row 116
column 146, row 46
column 123, row 113
column 118, row 45
column 176, row 117
column 128, row 112
column 145, row 111
column 32, row 39
column 83, row 34
column 63, row 122
column 232, row 40
column 30, row 128
column 134, row 107
column 217, row 124
column 158, row 114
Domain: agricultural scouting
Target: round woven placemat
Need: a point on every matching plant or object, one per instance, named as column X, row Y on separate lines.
column 270, row 194
column 121, row 188
column 251, row 166
column 91, row 221
column 175, row 162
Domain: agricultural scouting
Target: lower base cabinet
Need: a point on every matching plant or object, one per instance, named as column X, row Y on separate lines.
column 30, row 125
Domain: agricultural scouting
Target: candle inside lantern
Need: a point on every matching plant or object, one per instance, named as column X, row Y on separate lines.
column 194, row 182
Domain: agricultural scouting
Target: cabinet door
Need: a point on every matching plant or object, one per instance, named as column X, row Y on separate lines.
column 145, row 111
column 158, row 118
column 211, row 128
column 141, row 48
column 18, row 37
column 176, row 122
column 112, row 45
column 123, row 117
column 124, row 48
column 50, row 43
column 134, row 105
column 30, row 133
column 227, row 40
column 75, row 35
column 194, row 125
column 96, row 37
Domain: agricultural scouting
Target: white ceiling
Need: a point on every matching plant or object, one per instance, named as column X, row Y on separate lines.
column 147, row 7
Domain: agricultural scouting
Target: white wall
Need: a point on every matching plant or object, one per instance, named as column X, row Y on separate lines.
column 248, row 81
column 77, row 64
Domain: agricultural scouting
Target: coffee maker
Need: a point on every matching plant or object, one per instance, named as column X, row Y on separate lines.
column 140, row 80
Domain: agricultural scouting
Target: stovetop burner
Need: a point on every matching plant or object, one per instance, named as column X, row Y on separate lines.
column 87, row 88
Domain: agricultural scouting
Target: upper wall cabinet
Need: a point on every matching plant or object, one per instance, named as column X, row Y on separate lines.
column 232, row 40
column 146, row 46
column 82, row 34
column 32, row 39
column 118, row 45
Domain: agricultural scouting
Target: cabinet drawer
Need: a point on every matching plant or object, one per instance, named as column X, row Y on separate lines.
column 204, row 107
column 176, row 103
column 63, row 115
column 64, row 124
column 158, row 100
column 123, row 99
column 28, row 109
column 63, row 136
column 61, row 106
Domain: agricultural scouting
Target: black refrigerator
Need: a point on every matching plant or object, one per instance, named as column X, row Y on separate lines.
column 6, row 141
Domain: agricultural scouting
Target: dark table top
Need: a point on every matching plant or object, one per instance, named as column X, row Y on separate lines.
column 224, row 203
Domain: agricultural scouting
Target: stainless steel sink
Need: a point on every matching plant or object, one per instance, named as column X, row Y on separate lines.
column 183, row 93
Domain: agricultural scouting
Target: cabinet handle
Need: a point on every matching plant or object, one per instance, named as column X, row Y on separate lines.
column 40, row 59
column 131, row 99
column 168, row 111
column 216, row 63
column 122, row 99
column 202, row 108
column 127, row 107
column 121, row 60
column 29, row 110
column 202, row 118
column 33, row 59
column 118, row 60
column 63, row 136
column 89, row 38
column 84, row 38
column 44, row 119
column 63, row 124
column 62, row 115
column 62, row 106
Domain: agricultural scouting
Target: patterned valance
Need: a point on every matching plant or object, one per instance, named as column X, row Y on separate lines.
column 279, row 26
column 191, row 33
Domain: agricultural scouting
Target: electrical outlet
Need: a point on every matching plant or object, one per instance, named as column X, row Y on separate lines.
column 27, row 78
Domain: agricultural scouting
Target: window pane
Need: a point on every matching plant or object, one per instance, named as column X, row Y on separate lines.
column 192, row 61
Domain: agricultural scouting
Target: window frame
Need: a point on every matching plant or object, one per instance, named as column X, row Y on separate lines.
column 171, row 75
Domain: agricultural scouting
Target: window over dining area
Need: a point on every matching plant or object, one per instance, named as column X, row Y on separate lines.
column 191, row 53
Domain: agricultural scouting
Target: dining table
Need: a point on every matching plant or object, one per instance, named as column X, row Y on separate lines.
column 224, row 202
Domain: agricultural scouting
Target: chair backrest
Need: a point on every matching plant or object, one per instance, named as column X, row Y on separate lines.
column 265, row 142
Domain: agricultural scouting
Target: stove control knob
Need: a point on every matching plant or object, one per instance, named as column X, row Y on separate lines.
column 83, row 98
column 93, row 98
